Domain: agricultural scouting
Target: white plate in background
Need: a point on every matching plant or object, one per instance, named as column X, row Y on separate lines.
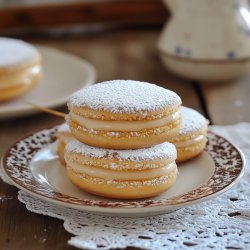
column 62, row 75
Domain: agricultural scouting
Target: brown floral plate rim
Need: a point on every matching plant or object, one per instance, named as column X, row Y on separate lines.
column 228, row 159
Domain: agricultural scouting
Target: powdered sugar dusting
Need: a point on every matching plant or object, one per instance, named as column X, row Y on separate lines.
column 158, row 151
column 14, row 51
column 125, row 96
column 64, row 128
column 191, row 120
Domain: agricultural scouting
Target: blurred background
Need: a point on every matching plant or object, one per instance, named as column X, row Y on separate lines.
column 59, row 17
column 120, row 38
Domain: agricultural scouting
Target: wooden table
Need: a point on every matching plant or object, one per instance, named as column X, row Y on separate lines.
column 127, row 54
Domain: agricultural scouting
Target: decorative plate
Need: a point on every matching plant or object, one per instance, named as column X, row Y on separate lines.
column 63, row 74
column 33, row 166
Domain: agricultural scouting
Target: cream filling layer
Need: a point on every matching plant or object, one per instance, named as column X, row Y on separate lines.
column 122, row 125
column 186, row 143
column 22, row 77
column 121, row 175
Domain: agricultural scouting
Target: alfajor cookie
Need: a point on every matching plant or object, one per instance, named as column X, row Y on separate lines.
column 122, row 174
column 192, row 136
column 64, row 136
column 124, row 114
column 20, row 68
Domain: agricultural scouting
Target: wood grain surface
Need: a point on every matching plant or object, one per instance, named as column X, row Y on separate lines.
column 228, row 103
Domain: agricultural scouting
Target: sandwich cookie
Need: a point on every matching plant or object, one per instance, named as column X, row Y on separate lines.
column 122, row 174
column 20, row 68
column 192, row 137
column 124, row 114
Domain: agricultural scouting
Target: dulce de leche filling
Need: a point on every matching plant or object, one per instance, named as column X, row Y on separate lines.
column 20, row 77
column 121, row 175
column 192, row 141
column 122, row 125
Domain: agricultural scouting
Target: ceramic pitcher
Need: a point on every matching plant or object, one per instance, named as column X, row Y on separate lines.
column 207, row 40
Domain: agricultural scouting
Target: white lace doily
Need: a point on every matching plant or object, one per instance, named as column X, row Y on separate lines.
column 222, row 223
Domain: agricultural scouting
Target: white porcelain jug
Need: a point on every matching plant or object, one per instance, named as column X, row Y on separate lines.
column 207, row 40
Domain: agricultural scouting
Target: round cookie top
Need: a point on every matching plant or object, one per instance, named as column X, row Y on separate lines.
column 164, row 150
column 192, row 121
column 14, row 52
column 125, row 96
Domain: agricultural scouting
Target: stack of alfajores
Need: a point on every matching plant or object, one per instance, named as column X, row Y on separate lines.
column 117, row 143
